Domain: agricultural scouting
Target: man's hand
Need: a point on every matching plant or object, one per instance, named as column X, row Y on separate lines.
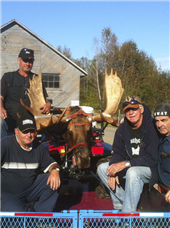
column 74, row 161
column 3, row 111
column 46, row 108
column 115, row 168
column 112, row 182
column 54, row 179
column 167, row 197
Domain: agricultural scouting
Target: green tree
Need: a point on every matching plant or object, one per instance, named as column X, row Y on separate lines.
column 138, row 72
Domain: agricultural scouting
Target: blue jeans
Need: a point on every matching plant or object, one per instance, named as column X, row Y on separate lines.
column 7, row 127
column 126, row 200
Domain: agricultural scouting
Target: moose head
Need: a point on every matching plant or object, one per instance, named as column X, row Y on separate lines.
column 79, row 124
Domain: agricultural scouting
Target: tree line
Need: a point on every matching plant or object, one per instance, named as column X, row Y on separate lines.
column 138, row 72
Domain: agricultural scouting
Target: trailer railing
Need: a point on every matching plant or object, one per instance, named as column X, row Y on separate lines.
column 39, row 220
column 85, row 219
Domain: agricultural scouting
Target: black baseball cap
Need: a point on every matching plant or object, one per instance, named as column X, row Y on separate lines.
column 26, row 122
column 26, row 53
column 162, row 110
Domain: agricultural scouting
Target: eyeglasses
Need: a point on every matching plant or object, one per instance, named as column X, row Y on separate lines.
column 132, row 102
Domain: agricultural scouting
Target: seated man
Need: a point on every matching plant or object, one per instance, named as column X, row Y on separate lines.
column 28, row 173
column 134, row 156
column 162, row 120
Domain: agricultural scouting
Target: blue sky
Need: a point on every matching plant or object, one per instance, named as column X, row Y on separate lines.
column 75, row 24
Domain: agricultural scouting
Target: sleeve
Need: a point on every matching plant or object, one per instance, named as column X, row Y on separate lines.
column 3, row 86
column 46, row 159
column 2, row 150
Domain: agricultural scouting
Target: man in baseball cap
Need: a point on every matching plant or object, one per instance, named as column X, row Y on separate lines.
column 14, row 87
column 28, row 173
column 135, row 156
column 162, row 121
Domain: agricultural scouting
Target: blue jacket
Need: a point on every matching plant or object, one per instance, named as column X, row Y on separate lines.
column 164, row 161
column 148, row 155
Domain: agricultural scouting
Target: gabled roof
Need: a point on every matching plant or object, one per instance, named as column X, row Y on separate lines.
column 15, row 22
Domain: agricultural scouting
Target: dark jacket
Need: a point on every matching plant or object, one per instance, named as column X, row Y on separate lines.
column 164, row 161
column 148, row 155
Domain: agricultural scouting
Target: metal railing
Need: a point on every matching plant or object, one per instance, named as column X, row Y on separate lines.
column 85, row 219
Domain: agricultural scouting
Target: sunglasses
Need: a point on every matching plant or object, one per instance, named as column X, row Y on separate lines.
column 132, row 102
column 28, row 60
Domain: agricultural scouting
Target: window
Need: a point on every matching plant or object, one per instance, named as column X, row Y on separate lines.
column 51, row 80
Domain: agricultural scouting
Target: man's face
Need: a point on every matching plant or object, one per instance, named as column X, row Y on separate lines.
column 25, row 65
column 163, row 124
column 134, row 115
column 25, row 138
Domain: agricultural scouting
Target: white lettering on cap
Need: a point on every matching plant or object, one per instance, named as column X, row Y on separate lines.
column 27, row 52
column 27, row 122
column 161, row 113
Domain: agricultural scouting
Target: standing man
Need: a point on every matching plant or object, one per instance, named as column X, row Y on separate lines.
column 162, row 121
column 134, row 156
column 28, row 173
column 14, row 87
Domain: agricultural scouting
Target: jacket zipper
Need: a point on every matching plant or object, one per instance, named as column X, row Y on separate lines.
column 125, row 147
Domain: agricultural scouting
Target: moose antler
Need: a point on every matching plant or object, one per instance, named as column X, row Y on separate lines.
column 114, row 93
column 35, row 93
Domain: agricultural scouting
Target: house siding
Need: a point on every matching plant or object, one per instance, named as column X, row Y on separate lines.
column 47, row 60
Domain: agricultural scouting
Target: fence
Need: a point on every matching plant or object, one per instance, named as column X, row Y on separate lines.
column 39, row 220
column 85, row 219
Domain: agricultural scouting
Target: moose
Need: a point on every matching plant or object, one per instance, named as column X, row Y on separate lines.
column 78, row 130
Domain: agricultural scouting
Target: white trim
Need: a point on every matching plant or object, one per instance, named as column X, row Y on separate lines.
column 7, row 214
column 46, row 170
column 152, row 214
column 18, row 165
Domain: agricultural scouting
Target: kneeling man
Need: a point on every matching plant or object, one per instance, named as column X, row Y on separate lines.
column 28, row 173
